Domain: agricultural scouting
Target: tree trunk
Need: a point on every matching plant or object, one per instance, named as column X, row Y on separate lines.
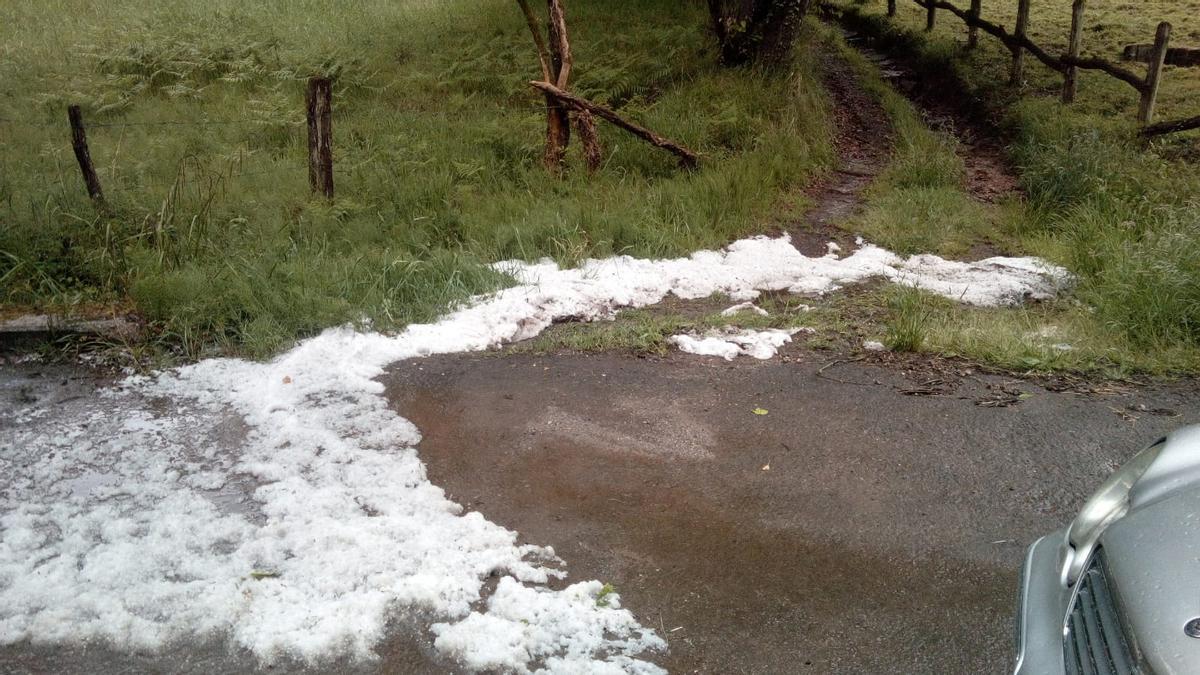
column 756, row 31
column 558, row 119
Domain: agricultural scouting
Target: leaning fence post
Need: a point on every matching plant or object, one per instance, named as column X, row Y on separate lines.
column 891, row 7
column 1018, row 51
column 973, row 29
column 319, row 101
column 83, row 155
column 1154, row 75
column 1071, row 75
column 930, row 14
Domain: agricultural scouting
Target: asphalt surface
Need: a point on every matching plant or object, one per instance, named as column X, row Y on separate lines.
column 873, row 521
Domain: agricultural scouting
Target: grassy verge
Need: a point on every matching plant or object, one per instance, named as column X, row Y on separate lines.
column 211, row 234
column 1125, row 219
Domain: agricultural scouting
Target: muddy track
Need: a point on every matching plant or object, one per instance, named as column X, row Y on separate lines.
column 863, row 140
column 990, row 174
column 945, row 106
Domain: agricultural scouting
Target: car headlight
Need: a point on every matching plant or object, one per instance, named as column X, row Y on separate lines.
column 1106, row 505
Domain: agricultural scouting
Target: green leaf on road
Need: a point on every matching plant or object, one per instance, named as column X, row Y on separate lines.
column 759, row 411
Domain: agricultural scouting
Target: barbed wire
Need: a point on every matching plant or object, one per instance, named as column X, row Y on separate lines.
column 257, row 122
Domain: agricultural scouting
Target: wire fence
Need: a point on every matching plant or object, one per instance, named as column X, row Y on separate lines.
column 267, row 122
column 317, row 122
column 1155, row 55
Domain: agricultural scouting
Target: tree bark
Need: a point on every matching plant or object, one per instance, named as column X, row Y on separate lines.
column 558, row 120
column 593, row 154
column 318, row 100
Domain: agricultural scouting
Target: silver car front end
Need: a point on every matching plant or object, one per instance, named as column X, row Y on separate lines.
column 1114, row 591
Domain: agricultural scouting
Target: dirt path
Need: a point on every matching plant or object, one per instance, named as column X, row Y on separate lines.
column 863, row 140
column 853, row 529
column 990, row 175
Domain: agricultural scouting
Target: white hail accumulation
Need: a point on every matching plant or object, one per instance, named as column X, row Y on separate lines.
column 731, row 342
column 283, row 505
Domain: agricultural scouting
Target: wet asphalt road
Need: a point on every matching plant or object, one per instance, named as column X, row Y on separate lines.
column 869, row 523
column 872, row 521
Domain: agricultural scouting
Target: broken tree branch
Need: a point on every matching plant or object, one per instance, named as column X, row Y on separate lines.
column 543, row 55
column 558, row 119
column 585, row 126
column 559, row 45
column 1171, row 127
column 687, row 158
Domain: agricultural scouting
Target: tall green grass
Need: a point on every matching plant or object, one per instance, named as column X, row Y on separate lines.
column 211, row 232
column 1126, row 221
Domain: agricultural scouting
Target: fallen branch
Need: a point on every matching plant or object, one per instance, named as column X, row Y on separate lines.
column 1171, row 127
column 687, row 158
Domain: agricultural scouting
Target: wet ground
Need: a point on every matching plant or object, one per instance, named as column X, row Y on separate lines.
column 862, row 525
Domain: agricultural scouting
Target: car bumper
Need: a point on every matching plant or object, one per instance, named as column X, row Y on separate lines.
column 1041, row 609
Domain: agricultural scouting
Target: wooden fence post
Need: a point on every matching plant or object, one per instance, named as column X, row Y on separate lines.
column 83, row 155
column 973, row 30
column 891, row 7
column 1162, row 39
column 319, row 102
column 1071, row 75
column 930, row 14
column 1018, row 52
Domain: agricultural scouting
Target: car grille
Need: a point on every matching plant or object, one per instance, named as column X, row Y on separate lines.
column 1094, row 642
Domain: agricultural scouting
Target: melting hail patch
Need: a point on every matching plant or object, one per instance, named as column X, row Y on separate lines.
column 283, row 506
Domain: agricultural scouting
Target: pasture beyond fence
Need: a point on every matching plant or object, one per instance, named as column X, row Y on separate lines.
column 1156, row 55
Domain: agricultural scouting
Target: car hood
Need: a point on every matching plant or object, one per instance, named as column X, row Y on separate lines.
column 1153, row 559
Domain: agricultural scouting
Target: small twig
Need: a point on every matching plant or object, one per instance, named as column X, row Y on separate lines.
column 821, row 372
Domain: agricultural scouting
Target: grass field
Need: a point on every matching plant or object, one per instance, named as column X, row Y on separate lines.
column 196, row 109
column 195, row 112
